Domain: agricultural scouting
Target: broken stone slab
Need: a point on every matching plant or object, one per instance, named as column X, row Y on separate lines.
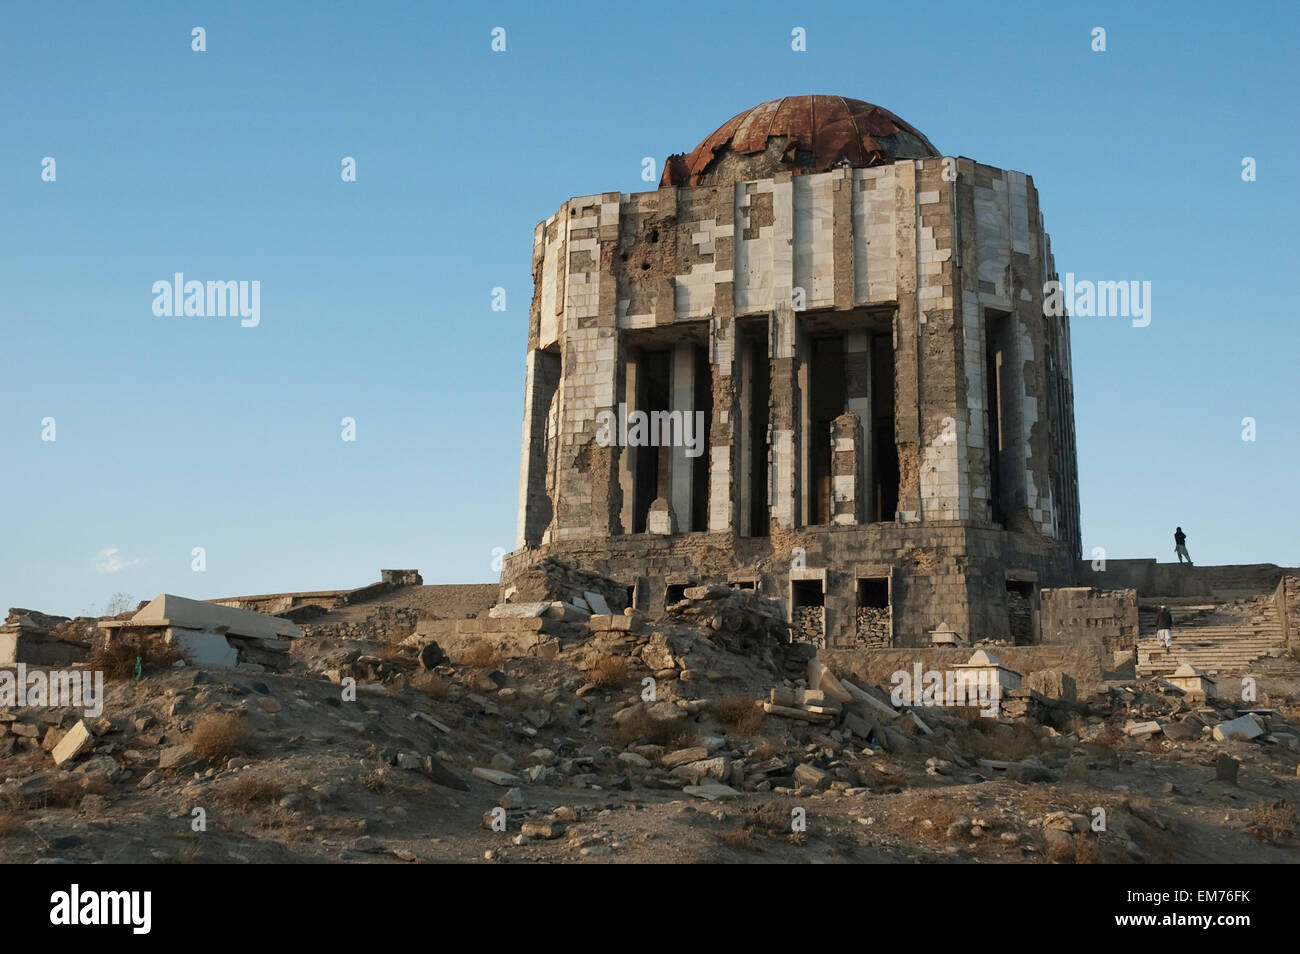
column 815, row 697
column 518, row 610
column 858, row 725
column 1242, row 727
column 711, row 791
column 782, row 697
column 73, row 744
column 177, row 756
column 1181, row 731
column 599, row 605
column 497, row 777
column 685, row 756
column 424, row 716
column 870, row 701
column 545, row 830
column 802, row 715
column 168, row 610
column 567, row 612
column 831, row 709
column 1140, row 730
column 715, row 768
column 819, row 677
column 811, row 776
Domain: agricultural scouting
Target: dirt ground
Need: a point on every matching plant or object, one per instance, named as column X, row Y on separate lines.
column 355, row 752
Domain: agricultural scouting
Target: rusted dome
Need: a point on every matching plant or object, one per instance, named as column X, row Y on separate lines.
column 799, row 134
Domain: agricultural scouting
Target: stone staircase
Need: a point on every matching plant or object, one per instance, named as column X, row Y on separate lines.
column 1223, row 636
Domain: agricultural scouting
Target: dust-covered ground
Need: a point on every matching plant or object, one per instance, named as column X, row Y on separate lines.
column 642, row 745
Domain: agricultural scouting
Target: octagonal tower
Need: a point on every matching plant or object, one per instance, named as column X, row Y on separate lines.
column 852, row 399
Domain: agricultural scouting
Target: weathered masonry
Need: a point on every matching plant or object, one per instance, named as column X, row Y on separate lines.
column 813, row 362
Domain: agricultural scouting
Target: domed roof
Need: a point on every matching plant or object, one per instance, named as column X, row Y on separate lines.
column 799, row 134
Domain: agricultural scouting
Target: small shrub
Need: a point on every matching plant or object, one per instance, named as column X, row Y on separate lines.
column 116, row 656
column 771, row 820
column 218, row 736
column 396, row 653
column 376, row 781
column 671, row 733
column 738, row 839
column 251, row 788
column 9, row 824
column 739, row 713
column 1273, row 823
column 609, row 671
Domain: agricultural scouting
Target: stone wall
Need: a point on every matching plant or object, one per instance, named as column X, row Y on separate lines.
column 938, row 574
column 384, row 623
column 1154, row 579
column 1073, row 614
column 1287, row 600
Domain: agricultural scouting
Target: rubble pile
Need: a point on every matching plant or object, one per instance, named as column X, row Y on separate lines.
column 551, row 579
column 590, row 731
column 41, row 639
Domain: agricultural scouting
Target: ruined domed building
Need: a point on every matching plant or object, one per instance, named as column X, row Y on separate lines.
column 814, row 362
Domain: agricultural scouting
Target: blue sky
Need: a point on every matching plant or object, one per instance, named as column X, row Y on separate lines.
column 182, row 433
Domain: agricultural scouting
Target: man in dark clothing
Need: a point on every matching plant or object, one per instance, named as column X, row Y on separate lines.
column 1180, row 545
column 1165, row 627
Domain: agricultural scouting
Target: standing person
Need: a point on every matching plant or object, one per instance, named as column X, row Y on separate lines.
column 1180, row 545
column 1165, row 627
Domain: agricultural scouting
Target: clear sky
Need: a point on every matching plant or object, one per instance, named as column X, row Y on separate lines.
column 176, row 433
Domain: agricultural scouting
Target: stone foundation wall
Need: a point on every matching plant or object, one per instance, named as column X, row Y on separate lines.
column 938, row 574
column 1074, row 613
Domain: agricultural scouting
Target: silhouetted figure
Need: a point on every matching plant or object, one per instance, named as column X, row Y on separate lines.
column 1164, row 627
column 1180, row 545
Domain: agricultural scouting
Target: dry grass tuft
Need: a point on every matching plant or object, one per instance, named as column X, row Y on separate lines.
column 989, row 739
column 609, row 671
column 1273, row 823
column 739, row 713
column 218, row 736
column 396, row 653
column 9, row 824
column 738, row 839
column 252, row 787
column 376, row 781
column 116, row 657
column 674, row 733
